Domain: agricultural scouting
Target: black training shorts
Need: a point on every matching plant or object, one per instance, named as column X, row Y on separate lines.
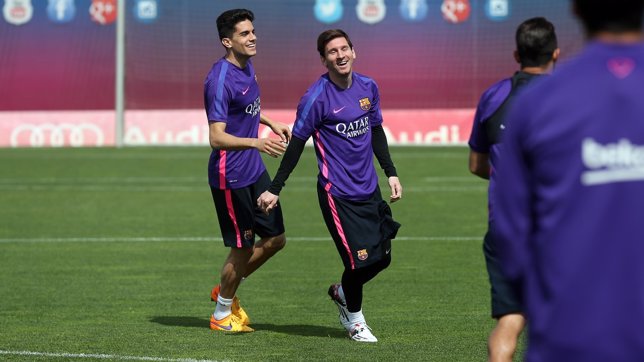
column 239, row 217
column 505, row 297
column 362, row 230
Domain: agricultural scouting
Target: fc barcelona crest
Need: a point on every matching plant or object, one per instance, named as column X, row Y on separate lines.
column 362, row 254
column 365, row 105
column 248, row 235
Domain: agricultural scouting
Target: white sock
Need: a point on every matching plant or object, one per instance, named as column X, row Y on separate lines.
column 222, row 310
column 356, row 317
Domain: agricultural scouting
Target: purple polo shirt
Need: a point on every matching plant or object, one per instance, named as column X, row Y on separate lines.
column 231, row 95
column 570, row 206
column 340, row 122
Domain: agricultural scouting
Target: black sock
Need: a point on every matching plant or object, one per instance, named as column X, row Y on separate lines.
column 354, row 280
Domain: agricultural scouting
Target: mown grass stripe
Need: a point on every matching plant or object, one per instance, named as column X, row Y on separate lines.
column 109, row 239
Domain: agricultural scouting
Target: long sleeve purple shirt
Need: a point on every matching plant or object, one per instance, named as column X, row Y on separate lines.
column 570, row 207
column 340, row 121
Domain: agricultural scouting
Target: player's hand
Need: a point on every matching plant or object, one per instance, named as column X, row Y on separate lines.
column 282, row 130
column 396, row 189
column 272, row 147
column 267, row 202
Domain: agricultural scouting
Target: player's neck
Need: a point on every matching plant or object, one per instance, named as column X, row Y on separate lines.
column 238, row 60
column 628, row 37
column 546, row 69
column 343, row 82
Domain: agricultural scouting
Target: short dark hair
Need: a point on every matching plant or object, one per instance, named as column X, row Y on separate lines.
column 228, row 19
column 536, row 41
column 615, row 16
column 326, row 36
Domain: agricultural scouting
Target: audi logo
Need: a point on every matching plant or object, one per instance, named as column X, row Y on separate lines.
column 57, row 135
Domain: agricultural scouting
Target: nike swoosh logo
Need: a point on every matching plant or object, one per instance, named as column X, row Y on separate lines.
column 338, row 110
column 228, row 327
column 245, row 90
column 387, row 251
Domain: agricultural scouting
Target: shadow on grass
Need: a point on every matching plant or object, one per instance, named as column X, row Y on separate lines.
column 181, row 321
column 294, row 329
column 301, row 330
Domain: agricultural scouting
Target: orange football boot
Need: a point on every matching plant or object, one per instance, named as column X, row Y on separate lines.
column 237, row 310
column 229, row 324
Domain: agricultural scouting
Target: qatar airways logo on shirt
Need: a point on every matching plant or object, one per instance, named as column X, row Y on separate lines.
column 612, row 162
column 355, row 128
column 253, row 108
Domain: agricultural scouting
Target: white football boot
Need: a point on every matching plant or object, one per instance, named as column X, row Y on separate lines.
column 361, row 332
column 341, row 304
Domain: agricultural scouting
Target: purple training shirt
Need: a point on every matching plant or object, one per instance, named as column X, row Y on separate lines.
column 231, row 95
column 570, row 206
column 340, row 122
column 491, row 99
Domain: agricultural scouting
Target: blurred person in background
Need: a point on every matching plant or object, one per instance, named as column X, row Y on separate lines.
column 341, row 110
column 569, row 196
column 536, row 52
column 236, row 172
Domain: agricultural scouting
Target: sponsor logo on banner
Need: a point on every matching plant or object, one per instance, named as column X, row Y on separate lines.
column 187, row 127
column 497, row 10
column 328, row 11
column 371, row 11
column 103, row 11
column 144, row 135
column 17, row 12
column 413, row 10
column 61, row 11
column 456, row 11
column 146, row 11
column 57, row 135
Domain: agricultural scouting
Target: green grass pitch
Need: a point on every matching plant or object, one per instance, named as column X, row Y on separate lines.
column 111, row 254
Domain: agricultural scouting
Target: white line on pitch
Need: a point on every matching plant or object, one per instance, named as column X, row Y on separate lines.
column 121, row 180
column 100, row 356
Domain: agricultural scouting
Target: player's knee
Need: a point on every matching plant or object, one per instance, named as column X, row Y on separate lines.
column 278, row 242
column 240, row 255
column 511, row 323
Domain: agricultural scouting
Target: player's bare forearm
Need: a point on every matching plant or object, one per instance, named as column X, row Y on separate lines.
column 221, row 140
column 479, row 164
column 224, row 141
column 278, row 128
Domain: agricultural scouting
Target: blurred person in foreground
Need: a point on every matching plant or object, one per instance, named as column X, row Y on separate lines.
column 536, row 52
column 236, row 172
column 341, row 110
column 570, row 193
